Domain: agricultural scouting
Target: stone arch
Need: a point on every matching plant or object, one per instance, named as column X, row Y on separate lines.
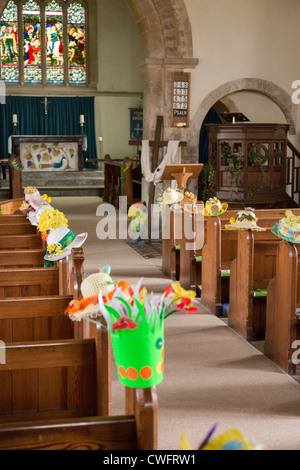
column 164, row 28
column 265, row 87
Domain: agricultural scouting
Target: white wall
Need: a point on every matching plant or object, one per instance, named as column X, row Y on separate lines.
column 236, row 39
column 119, row 82
column 257, row 108
column 113, row 125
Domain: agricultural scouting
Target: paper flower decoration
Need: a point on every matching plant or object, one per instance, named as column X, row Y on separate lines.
column 230, row 440
column 136, row 328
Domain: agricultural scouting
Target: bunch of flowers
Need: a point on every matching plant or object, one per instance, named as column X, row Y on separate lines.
column 51, row 219
column 136, row 326
column 143, row 313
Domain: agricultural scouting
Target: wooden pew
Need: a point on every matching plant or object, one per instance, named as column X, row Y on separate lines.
column 250, row 274
column 282, row 325
column 220, row 249
column 21, row 258
column 118, row 182
column 13, row 219
column 48, row 380
column 129, row 432
column 21, row 242
column 17, row 229
column 11, row 206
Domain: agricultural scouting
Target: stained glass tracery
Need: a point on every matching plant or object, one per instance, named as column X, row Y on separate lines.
column 32, row 42
column 76, row 44
column 9, row 44
column 54, row 43
column 35, row 41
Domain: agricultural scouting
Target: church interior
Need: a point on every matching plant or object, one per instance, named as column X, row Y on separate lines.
column 150, row 160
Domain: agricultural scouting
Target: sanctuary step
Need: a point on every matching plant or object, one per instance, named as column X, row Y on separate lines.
column 65, row 183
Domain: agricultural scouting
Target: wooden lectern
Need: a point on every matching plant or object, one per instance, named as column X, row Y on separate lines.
column 182, row 173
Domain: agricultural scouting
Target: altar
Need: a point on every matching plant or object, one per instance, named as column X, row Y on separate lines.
column 49, row 153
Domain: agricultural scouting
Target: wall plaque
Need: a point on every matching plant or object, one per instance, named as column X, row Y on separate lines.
column 181, row 99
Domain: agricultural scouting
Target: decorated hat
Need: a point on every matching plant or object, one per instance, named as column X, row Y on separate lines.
column 213, row 207
column 31, row 193
column 245, row 220
column 90, row 287
column 288, row 228
column 60, row 243
column 34, row 216
column 170, row 196
column 137, row 331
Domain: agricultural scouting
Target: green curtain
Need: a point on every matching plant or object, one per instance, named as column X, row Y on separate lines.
column 62, row 119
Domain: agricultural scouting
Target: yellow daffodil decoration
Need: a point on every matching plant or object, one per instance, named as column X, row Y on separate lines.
column 47, row 198
column 52, row 219
column 55, row 250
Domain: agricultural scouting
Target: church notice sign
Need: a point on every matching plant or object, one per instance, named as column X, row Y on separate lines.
column 180, row 99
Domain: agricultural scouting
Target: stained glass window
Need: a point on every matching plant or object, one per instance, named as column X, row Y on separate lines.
column 32, row 42
column 9, row 44
column 54, row 43
column 76, row 44
column 43, row 41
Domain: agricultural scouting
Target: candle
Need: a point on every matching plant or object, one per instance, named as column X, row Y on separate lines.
column 81, row 119
column 100, row 139
column 233, row 120
column 15, row 119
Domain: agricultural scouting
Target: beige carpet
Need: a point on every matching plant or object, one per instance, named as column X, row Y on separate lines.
column 211, row 374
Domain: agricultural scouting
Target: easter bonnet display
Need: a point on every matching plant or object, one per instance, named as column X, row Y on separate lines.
column 288, row 228
column 213, row 207
column 245, row 220
column 88, row 307
column 170, row 196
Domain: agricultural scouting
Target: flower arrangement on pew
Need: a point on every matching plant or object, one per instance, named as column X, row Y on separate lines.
column 50, row 220
column 135, row 321
column 136, row 328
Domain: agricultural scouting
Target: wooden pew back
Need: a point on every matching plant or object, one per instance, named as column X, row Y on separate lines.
column 48, row 380
column 282, row 327
column 31, row 282
column 21, row 259
column 11, row 207
column 20, row 242
column 131, row 432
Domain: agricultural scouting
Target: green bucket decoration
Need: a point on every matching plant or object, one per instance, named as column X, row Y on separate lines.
column 136, row 325
column 139, row 359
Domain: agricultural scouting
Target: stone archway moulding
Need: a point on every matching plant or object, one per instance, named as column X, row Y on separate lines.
column 264, row 87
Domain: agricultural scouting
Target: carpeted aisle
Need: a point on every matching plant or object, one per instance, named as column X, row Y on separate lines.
column 212, row 375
